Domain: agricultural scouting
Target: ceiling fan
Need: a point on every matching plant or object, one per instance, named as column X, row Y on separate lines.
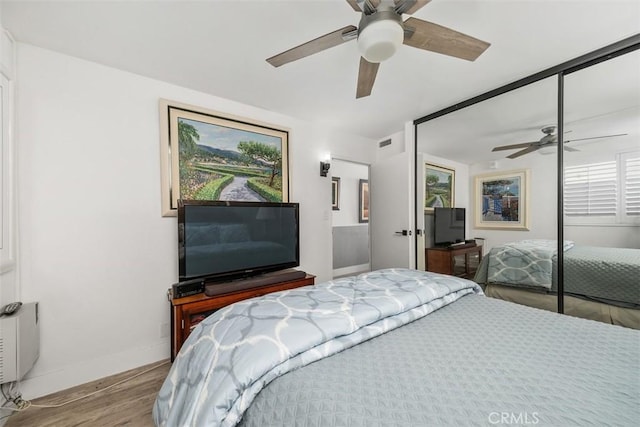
column 550, row 138
column 380, row 33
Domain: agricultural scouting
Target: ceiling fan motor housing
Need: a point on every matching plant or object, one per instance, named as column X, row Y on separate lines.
column 380, row 34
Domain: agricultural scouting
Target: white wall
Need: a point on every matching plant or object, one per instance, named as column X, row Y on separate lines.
column 615, row 236
column 8, row 224
column 399, row 144
column 94, row 249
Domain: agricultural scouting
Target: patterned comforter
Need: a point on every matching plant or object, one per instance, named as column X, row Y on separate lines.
column 476, row 362
column 232, row 355
column 527, row 262
column 608, row 275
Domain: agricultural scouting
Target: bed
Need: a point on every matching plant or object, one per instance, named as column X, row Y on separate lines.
column 399, row 347
column 599, row 283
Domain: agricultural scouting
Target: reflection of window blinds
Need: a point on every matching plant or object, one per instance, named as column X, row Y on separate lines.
column 632, row 186
column 591, row 190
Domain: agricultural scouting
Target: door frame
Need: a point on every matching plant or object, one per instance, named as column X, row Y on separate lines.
column 368, row 166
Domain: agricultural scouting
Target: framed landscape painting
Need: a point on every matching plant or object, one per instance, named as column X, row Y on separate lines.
column 502, row 200
column 439, row 185
column 208, row 156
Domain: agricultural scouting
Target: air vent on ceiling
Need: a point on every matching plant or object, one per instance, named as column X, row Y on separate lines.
column 385, row 143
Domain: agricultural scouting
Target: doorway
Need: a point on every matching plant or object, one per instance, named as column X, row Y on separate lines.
column 350, row 217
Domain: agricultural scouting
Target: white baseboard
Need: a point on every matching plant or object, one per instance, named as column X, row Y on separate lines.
column 73, row 375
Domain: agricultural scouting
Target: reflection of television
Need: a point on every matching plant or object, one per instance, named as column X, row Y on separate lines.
column 448, row 226
column 220, row 241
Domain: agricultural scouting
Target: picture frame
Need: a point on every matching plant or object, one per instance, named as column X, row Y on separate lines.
column 439, row 187
column 363, row 201
column 502, row 200
column 335, row 193
column 207, row 155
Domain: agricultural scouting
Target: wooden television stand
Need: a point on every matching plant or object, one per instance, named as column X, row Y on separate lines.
column 461, row 261
column 188, row 311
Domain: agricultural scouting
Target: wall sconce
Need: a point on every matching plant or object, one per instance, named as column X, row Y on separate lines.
column 324, row 168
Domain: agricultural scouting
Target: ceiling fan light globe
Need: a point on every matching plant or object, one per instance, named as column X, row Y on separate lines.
column 380, row 40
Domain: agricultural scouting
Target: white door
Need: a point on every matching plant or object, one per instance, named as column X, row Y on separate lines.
column 390, row 190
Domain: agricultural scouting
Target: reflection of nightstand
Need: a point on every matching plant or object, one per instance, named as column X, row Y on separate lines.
column 461, row 261
column 187, row 312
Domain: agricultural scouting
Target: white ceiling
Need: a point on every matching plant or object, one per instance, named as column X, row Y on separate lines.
column 600, row 100
column 220, row 47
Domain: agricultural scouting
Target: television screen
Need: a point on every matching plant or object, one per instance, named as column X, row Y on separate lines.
column 448, row 226
column 228, row 240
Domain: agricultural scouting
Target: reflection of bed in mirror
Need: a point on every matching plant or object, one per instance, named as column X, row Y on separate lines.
column 600, row 283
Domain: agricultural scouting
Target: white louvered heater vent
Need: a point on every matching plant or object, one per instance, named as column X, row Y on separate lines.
column 19, row 342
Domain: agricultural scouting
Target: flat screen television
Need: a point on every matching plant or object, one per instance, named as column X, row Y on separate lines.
column 221, row 241
column 448, row 226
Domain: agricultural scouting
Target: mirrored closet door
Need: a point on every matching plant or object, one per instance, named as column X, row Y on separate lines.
column 601, row 166
column 491, row 163
column 556, row 226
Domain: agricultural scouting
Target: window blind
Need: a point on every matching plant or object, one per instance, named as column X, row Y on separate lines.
column 632, row 186
column 591, row 190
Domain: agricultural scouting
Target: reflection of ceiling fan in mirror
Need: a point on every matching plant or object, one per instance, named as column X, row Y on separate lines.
column 381, row 32
column 550, row 139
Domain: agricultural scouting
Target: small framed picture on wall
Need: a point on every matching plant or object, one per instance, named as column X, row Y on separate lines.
column 363, row 201
column 335, row 193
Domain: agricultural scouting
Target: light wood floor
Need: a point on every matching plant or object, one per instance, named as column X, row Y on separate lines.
column 127, row 404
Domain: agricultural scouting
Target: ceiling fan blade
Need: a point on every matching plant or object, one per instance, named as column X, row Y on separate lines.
column 546, row 153
column 596, row 137
column 409, row 6
column 368, row 9
column 366, row 77
column 309, row 48
column 511, row 147
column 531, row 149
column 439, row 39
column 354, row 5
